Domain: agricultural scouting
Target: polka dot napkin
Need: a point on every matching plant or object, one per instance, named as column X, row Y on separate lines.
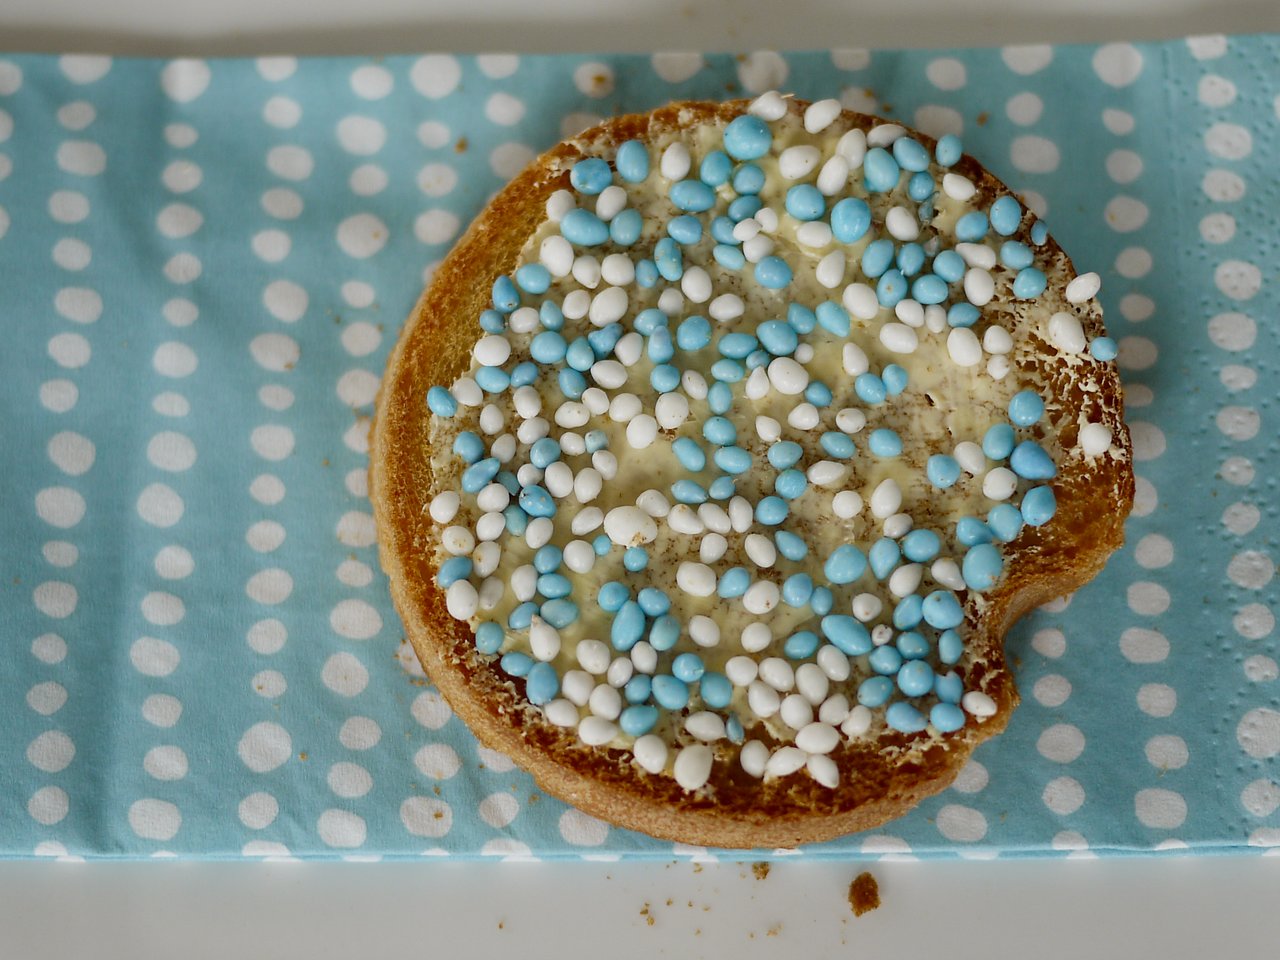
column 204, row 265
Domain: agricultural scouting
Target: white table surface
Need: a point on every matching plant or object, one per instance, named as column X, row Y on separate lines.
column 1166, row 908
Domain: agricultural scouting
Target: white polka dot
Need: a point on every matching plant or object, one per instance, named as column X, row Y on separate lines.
column 290, row 162
column 68, row 206
column 1230, row 141
column 272, row 441
column 49, row 648
column 180, row 135
column 163, row 609
column 946, row 73
column 282, row 203
column 10, row 78
column 182, row 176
column 282, row 112
column 357, row 483
column 1215, row 91
column 1154, row 551
column 1217, row 227
column 1235, row 377
column 1032, row 154
column 432, row 134
column 431, row 710
column 438, row 761
column 1239, row 423
column 1137, row 307
column 1063, row 796
column 1117, row 64
column 170, row 404
column 359, row 733
column 180, row 312
column 52, row 751
column 1134, row 262
column 47, row 698
column 371, row 82
column 436, row 226
column 275, row 351
column 972, row 778
column 437, row 179
column 1124, row 166
column 165, row 763
column 1024, row 108
column 1157, row 699
column 49, row 805
column 71, row 453
column 184, row 80
column 582, row 830
column 267, row 636
column 1238, row 471
column 358, row 388
column 493, row 761
column 162, row 710
column 1223, row 186
column 174, row 563
column 69, row 350
column 762, row 70
column 81, row 157
column 1259, row 733
column 503, row 109
column 267, row 488
column 179, row 220
column 355, row 620
column 1241, row 518
column 265, row 746
column 1027, row 59
column 359, row 294
column 285, row 300
column 1049, row 642
column 426, row 816
column 55, row 598
column 154, row 658
column 367, row 180
column 1118, row 122
column 436, row 75
column 508, row 159
column 360, row 339
column 276, row 69
column 72, row 254
column 1160, row 809
column 1208, row 46
column 1148, row 599
column 1167, row 752
column 1148, row 440
column 1238, row 279
column 275, row 397
column 961, row 824
column 269, row 587
column 344, row 674
column 60, row 553
column 160, row 506
column 171, row 451
column 937, row 121
column 1061, row 743
column 258, row 810
column 1251, row 569
column 1052, row 690
column 84, row 68
column 356, row 529
column 497, row 65
column 1261, row 798
column 1126, row 214
column 78, row 304
column 1145, row 497
column 360, row 135
column 183, row 268
column 59, row 396
column 353, row 573
column 349, row 779
column 341, row 828
column 499, row 809
column 265, row 536
column 1261, row 670
column 362, row 235
column 271, row 246
column 174, row 359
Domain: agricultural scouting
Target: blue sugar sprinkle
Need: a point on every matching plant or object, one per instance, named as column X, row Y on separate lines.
column 948, row 151
column 559, row 612
column 929, row 288
column 912, row 645
column 489, row 637
column 583, row 228
column 963, row 315
column 509, row 481
column 522, row 616
column 885, row 661
column 1026, row 408
column 596, row 440
column 885, row 443
column 921, row 546
column 731, row 258
column 747, row 137
column 547, row 558
column 694, row 333
column 942, row 610
column 720, row 396
column 942, row 470
column 719, row 431
column 875, row 692
column 850, row 219
column 688, row 491
column 921, row 186
column 845, row 565
column 612, row 596
column 910, row 259
column 664, row 633
column 517, row 520
column 627, row 627
column 910, row 155
column 1030, row 462
column 605, row 339
column 797, row 589
column 715, row 169
column 523, row 374
column 664, row 378
column 453, row 570
column 833, row 317
column 743, row 207
column 997, row 442
column 784, row 454
column 736, row 345
column 688, row 667
column 632, row 161
column 1038, row 506
column 440, row 402
column 533, row 278
column 716, row 690
column 1039, row 232
column 880, row 171
column 982, row 566
column 653, row 601
column 491, row 321
column 818, row 393
column 667, row 257
column 805, row 202
column 691, row 456
column 822, row 601
column 801, row 319
column 773, row 273
column 972, row 227
column 883, row 557
column 535, row 501
column 915, row 679
column 602, row 545
column 639, row 719
column 949, row 265
column 635, row 559
column 1005, row 522
column 905, row 718
column 876, row 257
column 505, row 295
column 670, row 693
column 801, row 645
column 542, row 684
column 1103, row 348
column 468, row 446
column 891, row 288
column 590, row 176
column 516, row 664
column 648, row 322
column 791, row 546
column 722, row 231
column 544, row 452
column 579, row 355
column 692, row 196
column 837, row 444
column 847, row 634
column 638, row 688
column 869, row 388
column 1006, row 215
column 909, row 612
column 948, row 687
column 684, row 229
column 624, row 230
column 660, row 347
column 950, row 647
column 477, row 476
column 571, row 383
column 771, row 511
column 790, row 484
column 748, row 180
column 732, row 460
column 550, row 315
column 493, row 380
column 1015, row 255
column 946, row 717
column 733, row 583
column 778, row 337
column 971, row 531
column 1029, row 283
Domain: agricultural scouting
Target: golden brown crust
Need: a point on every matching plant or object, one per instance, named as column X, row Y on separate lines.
column 881, row 778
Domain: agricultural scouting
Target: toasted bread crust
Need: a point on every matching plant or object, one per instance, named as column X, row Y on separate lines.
column 881, row 778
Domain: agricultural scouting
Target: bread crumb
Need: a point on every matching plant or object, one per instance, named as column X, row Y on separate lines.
column 502, row 924
column 864, row 894
column 644, row 912
column 460, row 146
column 760, row 869
column 774, row 930
column 983, row 117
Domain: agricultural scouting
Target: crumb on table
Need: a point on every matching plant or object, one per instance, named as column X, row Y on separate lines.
column 864, row 894
column 761, row 869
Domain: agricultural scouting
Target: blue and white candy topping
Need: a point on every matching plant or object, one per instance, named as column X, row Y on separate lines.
column 745, row 436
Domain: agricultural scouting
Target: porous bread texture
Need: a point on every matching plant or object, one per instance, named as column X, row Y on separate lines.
column 882, row 775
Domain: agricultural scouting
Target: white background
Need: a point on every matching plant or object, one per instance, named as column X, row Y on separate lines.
column 1157, row 908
